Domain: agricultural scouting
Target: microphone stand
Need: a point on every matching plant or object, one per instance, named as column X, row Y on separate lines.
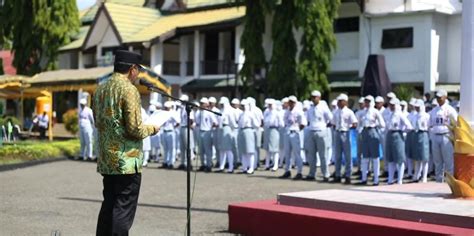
column 188, row 107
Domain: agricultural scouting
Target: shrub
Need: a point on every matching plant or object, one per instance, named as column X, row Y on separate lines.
column 3, row 121
column 404, row 92
column 29, row 150
column 71, row 121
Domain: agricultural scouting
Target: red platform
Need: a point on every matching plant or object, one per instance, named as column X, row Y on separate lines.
column 270, row 218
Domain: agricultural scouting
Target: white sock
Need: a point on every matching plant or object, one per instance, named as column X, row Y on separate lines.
column 364, row 168
column 230, row 159
column 222, row 160
column 252, row 161
column 276, row 158
column 401, row 171
column 425, row 165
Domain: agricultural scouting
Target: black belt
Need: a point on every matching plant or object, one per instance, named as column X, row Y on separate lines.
column 247, row 128
column 422, row 131
column 369, row 127
column 293, row 131
column 273, row 127
column 442, row 133
column 168, row 130
column 394, row 131
column 315, row 130
column 342, row 131
column 205, row 130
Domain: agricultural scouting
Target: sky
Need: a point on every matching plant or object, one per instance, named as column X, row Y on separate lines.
column 83, row 4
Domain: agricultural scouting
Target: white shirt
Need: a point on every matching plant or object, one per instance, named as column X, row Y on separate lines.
column 294, row 118
column 206, row 120
column 318, row 116
column 258, row 115
column 412, row 116
column 344, row 119
column 372, row 118
column 247, row 120
column 172, row 122
column 43, row 121
column 86, row 118
column 399, row 122
column 422, row 120
column 273, row 119
column 184, row 116
column 228, row 118
column 440, row 118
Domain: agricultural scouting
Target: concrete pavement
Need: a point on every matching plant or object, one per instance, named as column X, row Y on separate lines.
column 65, row 196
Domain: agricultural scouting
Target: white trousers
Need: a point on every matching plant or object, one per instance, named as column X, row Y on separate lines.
column 421, row 167
column 365, row 168
column 226, row 156
column 392, row 166
column 248, row 161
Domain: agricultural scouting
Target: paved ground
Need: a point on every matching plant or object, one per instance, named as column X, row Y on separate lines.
column 66, row 196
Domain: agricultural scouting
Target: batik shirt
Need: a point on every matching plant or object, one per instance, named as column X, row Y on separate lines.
column 117, row 111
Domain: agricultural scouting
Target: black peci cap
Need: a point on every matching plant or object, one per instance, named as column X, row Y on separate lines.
column 127, row 57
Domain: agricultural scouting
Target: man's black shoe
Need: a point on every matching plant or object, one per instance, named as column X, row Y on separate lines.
column 286, row 175
column 298, row 177
column 309, row 178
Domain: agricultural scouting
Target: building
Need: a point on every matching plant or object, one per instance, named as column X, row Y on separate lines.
column 195, row 44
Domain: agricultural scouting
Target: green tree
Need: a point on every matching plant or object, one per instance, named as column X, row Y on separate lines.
column 252, row 41
column 282, row 74
column 37, row 29
column 315, row 18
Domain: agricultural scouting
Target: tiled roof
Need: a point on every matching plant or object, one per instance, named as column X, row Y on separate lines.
column 169, row 23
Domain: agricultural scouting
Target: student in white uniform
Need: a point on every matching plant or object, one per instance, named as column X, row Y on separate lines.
column 227, row 124
column 344, row 119
column 422, row 143
column 215, row 149
column 169, row 136
column 284, row 145
column 395, row 153
column 295, row 121
column 206, row 121
column 183, row 134
column 273, row 122
column 442, row 148
column 359, row 113
column 258, row 116
column 247, row 124
column 332, row 132
column 235, row 103
column 319, row 117
column 86, row 124
column 146, row 147
column 371, row 122
column 410, row 142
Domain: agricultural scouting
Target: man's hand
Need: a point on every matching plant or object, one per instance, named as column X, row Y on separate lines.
column 156, row 128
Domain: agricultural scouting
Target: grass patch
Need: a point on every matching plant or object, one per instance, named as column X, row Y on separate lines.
column 37, row 150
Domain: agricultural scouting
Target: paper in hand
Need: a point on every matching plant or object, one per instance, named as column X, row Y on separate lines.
column 158, row 118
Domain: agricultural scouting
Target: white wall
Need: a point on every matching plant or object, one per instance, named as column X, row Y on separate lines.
column 393, row 6
column 404, row 65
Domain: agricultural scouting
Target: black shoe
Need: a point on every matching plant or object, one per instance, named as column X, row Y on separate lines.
column 298, row 177
column 182, row 167
column 230, row 171
column 202, row 168
column 357, row 173
column 326, row 180
column 309, row 178
column 337, row 180
column 384, row 174
column 164, row 166
column 208, row 169
column 217, row 165
column 306, row 163
column 333, row 175
column 267, row 169
column 170, row 167
column 219, row 171
column 362, row 183
column 375, row 184
column 348, row 181
column 286, row 175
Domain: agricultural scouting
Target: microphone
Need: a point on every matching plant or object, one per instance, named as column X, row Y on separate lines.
column 146, row 83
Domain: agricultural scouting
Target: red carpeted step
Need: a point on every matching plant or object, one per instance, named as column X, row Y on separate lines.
column 270, row 218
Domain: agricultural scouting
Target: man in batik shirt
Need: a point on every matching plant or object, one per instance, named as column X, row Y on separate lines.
column 117, row 110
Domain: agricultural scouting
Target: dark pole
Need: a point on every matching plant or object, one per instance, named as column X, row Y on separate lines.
column 188, row 168
column 188, row 107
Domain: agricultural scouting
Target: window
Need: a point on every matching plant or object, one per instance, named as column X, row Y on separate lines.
column 349, row 24
column 397, row 38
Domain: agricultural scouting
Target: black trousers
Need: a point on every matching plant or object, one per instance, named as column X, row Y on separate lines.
column 42, row 132
column 119, row 205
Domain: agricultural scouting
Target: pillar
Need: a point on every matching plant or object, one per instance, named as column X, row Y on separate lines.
column 197, row 57
column 467, row 62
